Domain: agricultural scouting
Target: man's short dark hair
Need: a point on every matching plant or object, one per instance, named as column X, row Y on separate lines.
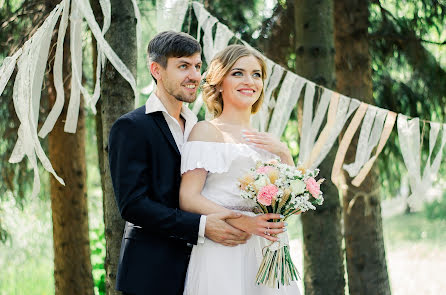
column 171, row 44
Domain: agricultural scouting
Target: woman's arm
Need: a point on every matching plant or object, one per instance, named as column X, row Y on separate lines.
column 192, row 200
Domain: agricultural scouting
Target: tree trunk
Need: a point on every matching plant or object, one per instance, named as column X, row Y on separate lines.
column 117, row 99
column 72, row 265
column 322, row 231
column 365, row 253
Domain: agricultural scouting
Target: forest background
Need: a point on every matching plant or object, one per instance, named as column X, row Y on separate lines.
column 406, row 61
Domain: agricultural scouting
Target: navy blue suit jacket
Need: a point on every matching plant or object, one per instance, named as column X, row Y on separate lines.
column 145, row 171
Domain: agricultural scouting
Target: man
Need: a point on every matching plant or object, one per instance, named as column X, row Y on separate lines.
column 145, row 155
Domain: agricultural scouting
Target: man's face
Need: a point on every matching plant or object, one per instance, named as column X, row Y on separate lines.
column 181, row 77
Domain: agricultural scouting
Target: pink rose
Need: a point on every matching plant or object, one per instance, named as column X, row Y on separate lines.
column 313, row 187
column 264, row 169
column 266, row 194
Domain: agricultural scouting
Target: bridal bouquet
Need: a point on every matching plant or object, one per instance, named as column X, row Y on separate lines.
column 286, row 190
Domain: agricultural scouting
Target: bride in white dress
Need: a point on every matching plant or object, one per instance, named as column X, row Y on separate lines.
column 216, row 155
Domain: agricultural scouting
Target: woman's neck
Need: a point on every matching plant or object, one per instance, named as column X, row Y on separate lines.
column 235, row 117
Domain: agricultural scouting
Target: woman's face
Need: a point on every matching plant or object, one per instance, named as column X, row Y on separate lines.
column 243, row 84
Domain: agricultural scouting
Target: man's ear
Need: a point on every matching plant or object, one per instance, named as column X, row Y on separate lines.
column 155, row 70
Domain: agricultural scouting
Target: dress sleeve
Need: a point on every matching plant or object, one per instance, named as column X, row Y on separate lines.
column 217, row 157
column 212, row 157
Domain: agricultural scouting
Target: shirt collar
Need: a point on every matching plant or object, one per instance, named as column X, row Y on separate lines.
column 154, row 104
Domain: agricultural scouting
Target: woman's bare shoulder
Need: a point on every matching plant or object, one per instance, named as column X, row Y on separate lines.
column 205, row 131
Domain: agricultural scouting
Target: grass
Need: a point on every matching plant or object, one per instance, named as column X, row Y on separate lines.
column 416, row 254
column 412, row 228
column 32, row 277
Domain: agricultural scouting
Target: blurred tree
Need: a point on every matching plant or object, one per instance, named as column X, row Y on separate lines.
column 364, row 242
column 322, row 232
column 277, row 33
column 117, row 99
column 408, row 62
column 72, row 266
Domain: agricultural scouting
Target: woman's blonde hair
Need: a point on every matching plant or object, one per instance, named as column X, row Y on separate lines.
column 220, row 66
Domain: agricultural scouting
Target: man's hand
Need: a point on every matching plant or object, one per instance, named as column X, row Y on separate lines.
column 221, row 232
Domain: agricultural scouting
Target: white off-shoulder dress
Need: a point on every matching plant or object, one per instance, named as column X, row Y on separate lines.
column 215, row 269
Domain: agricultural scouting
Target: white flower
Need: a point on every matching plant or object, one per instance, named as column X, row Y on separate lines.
column 297, row 186
column 262, row 181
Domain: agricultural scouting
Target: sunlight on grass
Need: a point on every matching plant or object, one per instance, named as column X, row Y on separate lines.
column 407, row 229
column 35, row 276
column 416, row 254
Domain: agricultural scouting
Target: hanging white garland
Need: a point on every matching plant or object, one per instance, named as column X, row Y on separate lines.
column 31, row 61
column 32, row 58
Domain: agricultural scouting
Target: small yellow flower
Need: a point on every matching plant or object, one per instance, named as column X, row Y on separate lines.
column 246, row 180
column 302, row 170
column 273, row 174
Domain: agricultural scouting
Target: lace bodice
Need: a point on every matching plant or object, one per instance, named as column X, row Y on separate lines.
column 225, row 163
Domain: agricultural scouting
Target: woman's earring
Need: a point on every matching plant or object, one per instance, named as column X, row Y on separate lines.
column 221, row 90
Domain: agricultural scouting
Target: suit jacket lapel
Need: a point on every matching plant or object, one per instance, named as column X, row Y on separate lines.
column 162, row 124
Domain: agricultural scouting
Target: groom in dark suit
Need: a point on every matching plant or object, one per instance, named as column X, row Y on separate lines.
column 145, row 156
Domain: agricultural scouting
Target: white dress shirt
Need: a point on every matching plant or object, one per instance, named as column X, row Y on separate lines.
column 154, row 104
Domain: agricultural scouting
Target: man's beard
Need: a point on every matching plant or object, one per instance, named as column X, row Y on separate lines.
column 182, row 97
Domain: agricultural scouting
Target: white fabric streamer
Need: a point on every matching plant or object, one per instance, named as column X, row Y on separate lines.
column 345, row 109
column 371, row 129
column 138, row 24
column 106, row 12
column 101, row 59
column 87, row 13
column 208, row 41
column 58, row 79
column 40, row 47
column 286, row 100
column 27, row 81
column 409, row 137
column 310, row 126
column 202, row 15
column 430, row 171
column 76, row 53
column 274, row 76
column 260, row 119
column 198, row 104
column 221, row 40
column 170, row 14
column 76, row 68
column 7, row 69
column 273, row 82
column 269, row 69
column 31, row 62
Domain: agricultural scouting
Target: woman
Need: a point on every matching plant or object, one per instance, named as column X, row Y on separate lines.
column 216, row 155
